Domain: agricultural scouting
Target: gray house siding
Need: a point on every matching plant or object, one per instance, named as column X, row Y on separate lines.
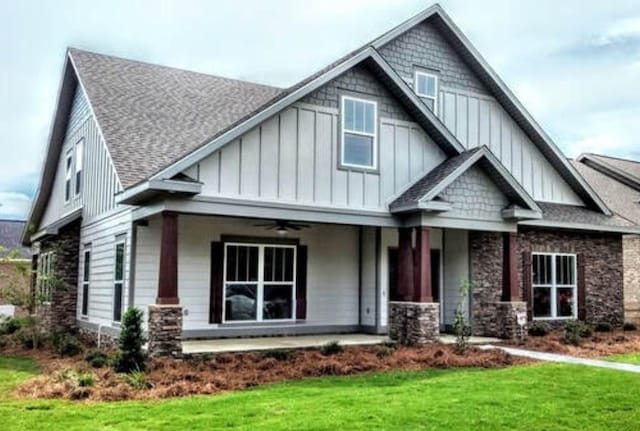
column 99, row 180
column 294, row 156
column 472, row 115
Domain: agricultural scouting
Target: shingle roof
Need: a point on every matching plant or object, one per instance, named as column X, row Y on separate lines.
column 11, row 238
column 425, row 184
column 580, row 215
column 151, row 115
column 622, row 199
column 629, row 168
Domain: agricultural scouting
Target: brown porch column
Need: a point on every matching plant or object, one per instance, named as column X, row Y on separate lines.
column 510, row 291
column 422, row 288
column 168, row 273
column 405, row 264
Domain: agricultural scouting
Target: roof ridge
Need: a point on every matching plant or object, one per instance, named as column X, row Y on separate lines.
column 71, row 50
column 606, row 156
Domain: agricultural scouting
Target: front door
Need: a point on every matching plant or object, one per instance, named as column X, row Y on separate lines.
column 393, row 274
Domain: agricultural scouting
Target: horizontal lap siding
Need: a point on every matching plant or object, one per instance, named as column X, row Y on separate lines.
column 332, row 289
column 101, row 235
column 293, row 157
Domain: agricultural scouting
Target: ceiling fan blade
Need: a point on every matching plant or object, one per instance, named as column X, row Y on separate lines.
column 300, row 225
column 293, row 226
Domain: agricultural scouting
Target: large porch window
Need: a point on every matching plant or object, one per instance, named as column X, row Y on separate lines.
column 554, row 286
column 259, row 282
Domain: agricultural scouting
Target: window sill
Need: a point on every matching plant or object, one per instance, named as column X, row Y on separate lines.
column 543, row 319
column 261, row 324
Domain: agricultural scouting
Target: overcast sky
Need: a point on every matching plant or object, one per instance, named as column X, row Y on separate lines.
column 574, row 64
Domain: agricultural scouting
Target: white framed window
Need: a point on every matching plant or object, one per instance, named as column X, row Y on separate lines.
column 68, row 176
column 555, row 285
column 259, row 282
column 426, row 87
column 359, row 133
column 45, row 276
column 86, row 280
column 78, row 170
column 118, row 280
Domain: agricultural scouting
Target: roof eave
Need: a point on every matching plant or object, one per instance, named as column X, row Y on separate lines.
column 150, row 189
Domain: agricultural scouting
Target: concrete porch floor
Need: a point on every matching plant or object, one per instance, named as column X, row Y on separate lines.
column 299, row 342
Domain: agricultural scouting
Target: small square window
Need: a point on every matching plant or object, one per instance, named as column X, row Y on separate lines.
column 359, row 128
column 426, row 87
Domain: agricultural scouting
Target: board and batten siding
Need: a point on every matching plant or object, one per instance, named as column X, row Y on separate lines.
column 477, row 120
column 101, row 236
column 332, row 274
column 100, row 182
column 293, row 157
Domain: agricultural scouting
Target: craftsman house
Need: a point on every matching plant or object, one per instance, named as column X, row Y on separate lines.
column 357, row 200
column 617, row 181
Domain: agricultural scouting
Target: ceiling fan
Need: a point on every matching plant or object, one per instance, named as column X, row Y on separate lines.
column 282, row 226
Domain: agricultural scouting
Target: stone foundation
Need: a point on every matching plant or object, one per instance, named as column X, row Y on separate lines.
column 61, row 312
column 631, row 259
column 165, row 331
column 90, row 336
column 414, row 322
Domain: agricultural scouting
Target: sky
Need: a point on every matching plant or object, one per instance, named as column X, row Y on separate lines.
column 574, row 64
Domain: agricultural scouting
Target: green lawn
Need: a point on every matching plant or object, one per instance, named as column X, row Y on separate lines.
column 549, row 397
column 631, row 358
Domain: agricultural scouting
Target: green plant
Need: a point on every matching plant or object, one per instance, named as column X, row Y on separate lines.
column 539, row 329
column 96, row 358
column 331, row 348
column 29, row 337
column 629, row 326
column 64, row 343
column 603, row 327
column 10, row 325
column 130, row 356
column 85, row 380
column 137, row 380
column 385, row 351
column 461, row 326
column 574, row 330
column 277, row 354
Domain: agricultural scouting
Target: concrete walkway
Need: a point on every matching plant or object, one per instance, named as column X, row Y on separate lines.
column 565, row 359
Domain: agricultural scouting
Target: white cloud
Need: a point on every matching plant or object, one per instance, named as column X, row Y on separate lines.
column 14, row 205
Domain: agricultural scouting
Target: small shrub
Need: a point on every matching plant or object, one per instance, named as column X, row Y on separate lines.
column 85, row 380
column 96, row 359
column 130, row 356
column 137, row 380
column 65, row 344
column 628, row 326
column 574, row 331
column 539, row 329
column 603, row 327
column 331, row 348
column 10, row 325
column 63, row 375
column 29, row 337
column 277, row 354
column 385, row 351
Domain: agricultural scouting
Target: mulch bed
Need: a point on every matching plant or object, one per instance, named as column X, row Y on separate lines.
column 599, row 344
column 227, row 372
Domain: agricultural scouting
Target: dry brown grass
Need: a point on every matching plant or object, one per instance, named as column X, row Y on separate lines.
column 598, row 345
column 227, row 372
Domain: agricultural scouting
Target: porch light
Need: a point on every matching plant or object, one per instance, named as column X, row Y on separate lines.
column 282, row 231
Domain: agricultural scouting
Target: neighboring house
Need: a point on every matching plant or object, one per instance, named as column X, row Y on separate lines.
column 358, row 199
column 14, row 262
column 617, row 181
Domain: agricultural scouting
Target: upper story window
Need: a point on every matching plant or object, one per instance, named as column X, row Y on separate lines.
column 554, row 286
column 426, row 87
column 359, row 130
column 79, row 160
column 67, row 176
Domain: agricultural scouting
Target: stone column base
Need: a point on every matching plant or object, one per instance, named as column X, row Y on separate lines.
column 165, row 331
column 506, row 320
column 414, row 322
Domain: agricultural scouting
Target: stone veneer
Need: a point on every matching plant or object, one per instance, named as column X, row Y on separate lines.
column 90, row 336
column 165, row 331
column 631, row 259
column 414, row 322
column 61, row 310
column 603, row 273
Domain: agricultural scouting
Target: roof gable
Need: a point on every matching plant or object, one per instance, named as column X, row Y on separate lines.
column 425, row 194
column 622, row 170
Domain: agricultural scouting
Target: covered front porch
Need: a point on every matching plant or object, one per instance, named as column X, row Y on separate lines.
column 221, row 279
